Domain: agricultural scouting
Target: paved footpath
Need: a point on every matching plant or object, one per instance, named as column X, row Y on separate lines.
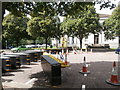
column 100, row 66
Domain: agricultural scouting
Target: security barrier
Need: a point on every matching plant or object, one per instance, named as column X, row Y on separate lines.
column 61, row 62
column 24, row 58
column 38, row 54
column 31, row 55
column 52, row 69
column 15, row 61
column 54, row 50
column 34, row 55
column 6, row 64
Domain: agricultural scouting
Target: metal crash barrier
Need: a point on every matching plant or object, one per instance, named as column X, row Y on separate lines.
column 52, row 69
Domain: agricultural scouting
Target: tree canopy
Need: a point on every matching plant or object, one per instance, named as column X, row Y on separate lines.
column 112, row 25
column 50, row 9
column 83, row 23
column 61, row 8
column 14, row 28
column 42, row 27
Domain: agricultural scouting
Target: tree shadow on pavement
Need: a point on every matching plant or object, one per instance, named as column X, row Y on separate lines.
column 8, row 80
column 17, row 70
column 7, row 74
column 42, row 81
column 72, row 78
column 24, row 67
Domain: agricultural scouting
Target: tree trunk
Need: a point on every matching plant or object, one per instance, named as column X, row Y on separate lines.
column 34, row 41
column 119, row 42
column 119, row 58
column 3, row 10
column 57, row 42
column 80, row 43
column 46, row 42
column 17, row 43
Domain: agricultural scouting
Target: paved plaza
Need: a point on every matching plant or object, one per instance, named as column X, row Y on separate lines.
column 99, row 65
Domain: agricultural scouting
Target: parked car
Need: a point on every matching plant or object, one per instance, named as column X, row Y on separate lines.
column 41, row 46
column 19, row 48
column 30, row 46
column 117, row 51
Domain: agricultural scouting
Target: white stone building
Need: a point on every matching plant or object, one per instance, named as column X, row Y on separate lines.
column 91, row 40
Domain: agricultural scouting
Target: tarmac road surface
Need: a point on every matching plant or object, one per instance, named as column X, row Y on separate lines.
column 100, row 67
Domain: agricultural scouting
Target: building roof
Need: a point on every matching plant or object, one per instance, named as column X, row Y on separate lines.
column 104, row 15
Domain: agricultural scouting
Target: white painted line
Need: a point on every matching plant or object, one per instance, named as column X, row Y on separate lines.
column 32, row 80
column 85, row 75
column 83, row 87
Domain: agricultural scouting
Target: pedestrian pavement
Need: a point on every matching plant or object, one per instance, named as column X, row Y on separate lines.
column 100, row 67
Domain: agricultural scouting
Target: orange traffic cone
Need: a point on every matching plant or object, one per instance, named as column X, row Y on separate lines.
column 84, row 69
column 114, row 76
column 75, row 52
column 66, row 61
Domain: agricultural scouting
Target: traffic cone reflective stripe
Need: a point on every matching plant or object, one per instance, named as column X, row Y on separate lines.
column 67, row 52
column 57, row 55
column 114, row 76
column 62, row 51
column 84, row 68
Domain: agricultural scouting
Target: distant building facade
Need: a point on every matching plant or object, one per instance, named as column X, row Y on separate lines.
column 93, row 39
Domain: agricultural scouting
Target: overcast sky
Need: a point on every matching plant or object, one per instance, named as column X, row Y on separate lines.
column 106, row 10
column 103, row 11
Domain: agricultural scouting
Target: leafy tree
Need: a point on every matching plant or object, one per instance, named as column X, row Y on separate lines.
column 62, row 8
column 50, row 8
column 17, row 8
column 42, row 26
column 86, row 22
column 14, row 28
column 112, row 25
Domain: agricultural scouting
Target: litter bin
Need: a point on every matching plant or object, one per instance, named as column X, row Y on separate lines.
column 15, row 61
column 6, row 64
